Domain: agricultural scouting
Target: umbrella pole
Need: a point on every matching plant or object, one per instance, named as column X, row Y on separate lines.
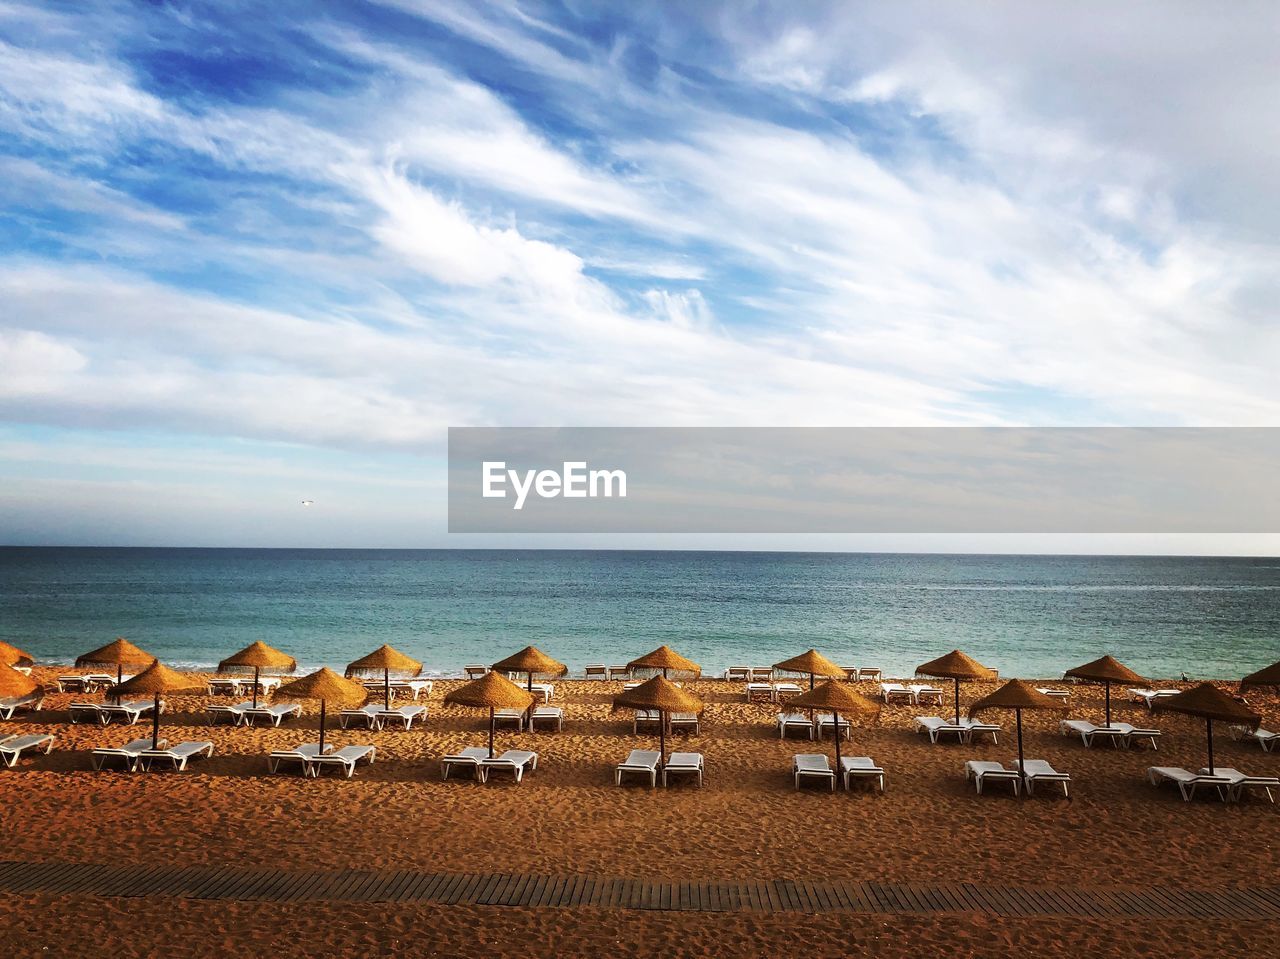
column 662, row 737
column 836, row 717
column 386, row 689
column 1022, row 773
column 1108, row 695
column 155, row 723
column 255, row 687
column 322, row 725
column 1208, row 725
column 957, row 682
column 490, row 732
column 529, row 712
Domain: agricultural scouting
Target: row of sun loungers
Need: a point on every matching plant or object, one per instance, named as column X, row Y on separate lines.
column 1229, row 783
column 817, row 766
column 914, row 693
column 1034, row 771
column 11, row 705
column 12, row 747
column 477, row 760
column 964, row 731
column 239, row 686
column 309, row 760
column 647, row 762
column 820, row 724
column 138, row 755
column 247, row 714
column 1118, row 734
column 88, row 682
column 105, row 713
column 374, row 716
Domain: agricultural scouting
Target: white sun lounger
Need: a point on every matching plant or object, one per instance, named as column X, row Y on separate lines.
column 1240, row 782
column 869, row 673
column 792, row 721
column 1134, row 734
column 1263, row 737
column 226, row 685
column 645, row 718
column 1188, row 781
column 344, row 759
column 1088, row 732
column 86, row 713
column 397, row 687
column 641, row 761
column 936, row 726
column 738, row 674
column 681, row 763
column 761, row 691
column 366, row 716
column 469, row 758
column 761, row 674
column 1039, row 771
column 216, row 712
column 128, row 713
column 895, row 691
column 515, row 761
column 275, row 713
column 1053, row 693
column 86, row 682
column 1149, row 696
column 812, row 766
column 548, row 716
column 861, row 767
column 401, row 715
column 546, row 690
column 176, row 756
column 302, row 755
column 786, row 689
column 12, row 747
column 688, row 722
column 619, row 672
column 980, row 771
column 475, row 671
column 597, row 671
column 503, row 717
column 15, row 704
column 977, row 728
column 827, row 722
column 921, row 694
column 126, row 755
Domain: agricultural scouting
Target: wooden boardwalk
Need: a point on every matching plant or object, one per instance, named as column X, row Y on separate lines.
column 505, row 889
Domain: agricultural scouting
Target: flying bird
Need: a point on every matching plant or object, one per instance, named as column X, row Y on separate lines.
column 307, row 502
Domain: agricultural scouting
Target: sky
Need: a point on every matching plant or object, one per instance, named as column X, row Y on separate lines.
column 254, row 254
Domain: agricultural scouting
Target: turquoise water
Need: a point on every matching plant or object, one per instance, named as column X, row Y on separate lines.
column 1024, row 615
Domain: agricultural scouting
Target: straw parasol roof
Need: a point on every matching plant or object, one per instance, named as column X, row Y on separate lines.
column 14, row 683
column 812, row 663
column 665, row 658
column 11, row 655
column 533, row 661
column 325, row 685
column 384, row 660
column 154, row 681
column 490, row 691
column 1016, row 694
column 1208, row 702
column 1105, row 670
column 1263, row 677
column 955, row 665
column 837, row 698
column 259, row 657
column 660, row 694
column 118, row 652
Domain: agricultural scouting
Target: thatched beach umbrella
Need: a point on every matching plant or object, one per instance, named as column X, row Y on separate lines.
column 328, row 687
column 662, row 695
column 812, row 664
column 1262, row 678
column 491, row 691
column 13, row 656
column 1017, row 694
column 956, row 666
column 1106, row 671
column 530, row 661
column 666, row 659
column 839, row 699
column 385, row 660
column 14, row 683
column 118, row 653
column 261, row 658
column 156, row 680
column 1209, row 703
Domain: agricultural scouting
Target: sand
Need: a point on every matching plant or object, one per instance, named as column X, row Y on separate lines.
column 568, row 818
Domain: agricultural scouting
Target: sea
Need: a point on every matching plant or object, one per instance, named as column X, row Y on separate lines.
column 1028, row 616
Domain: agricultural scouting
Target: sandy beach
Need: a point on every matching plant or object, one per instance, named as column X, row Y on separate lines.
column 568, row 818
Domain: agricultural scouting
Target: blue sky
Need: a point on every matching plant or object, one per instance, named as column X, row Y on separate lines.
column 258, row 253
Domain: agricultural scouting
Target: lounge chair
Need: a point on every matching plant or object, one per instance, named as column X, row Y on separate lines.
column 502, row 717
column 936, row 726
column 861, row 767
column 597, row 671
column 980, row 771
column 812, row 766
column 646, row 718
column 1053, row 693
column 760, row 691
column 1263, row 737
column 738, row 674
column 127, row 713
column 475, row 671
column 619, row 672
column 1133, row 733
column 12, row 747
column 793, row 721
column 1039, row 771
column 678, row 763
column 275, row 714
column 177, row 756
column 469, row 758
column 401, row 715
column 786, row 689
column 548, row 716
column 850, row 673
column 1188, row 781
column 514, row 761
column 87, row 713
column 1149, row 696
column 976, row 728
column 546, row 690
column 226, row 686
column 762, row 674
column 216, row 713
column 85, row 682
column 407, row 687
column 685, row 722
column 922, row 694
column 1088, row 732
column 126, row 755
column 890, row 692
column 345, row 759
column 642, row 761
column 366, row 716
column 15, row 704
column 1239, row 782
column 868, row 673
column 827, row 722
column 302, row 755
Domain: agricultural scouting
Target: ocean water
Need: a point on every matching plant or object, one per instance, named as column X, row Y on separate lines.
column 1029, row 616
